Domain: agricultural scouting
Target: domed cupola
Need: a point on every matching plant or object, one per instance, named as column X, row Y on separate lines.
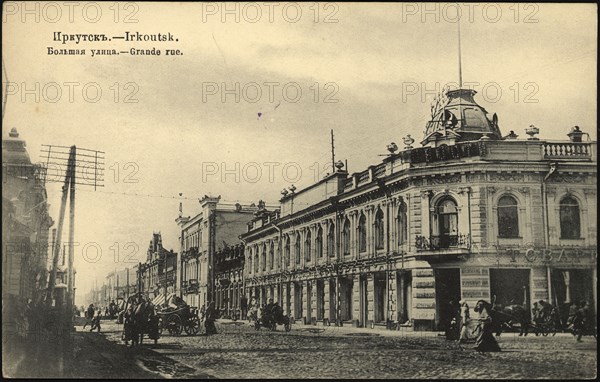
column 13, row 149
column 456, row 117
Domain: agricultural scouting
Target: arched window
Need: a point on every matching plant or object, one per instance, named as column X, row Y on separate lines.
column 445, row 224
column 319, row 242
column 264, row 257
column 331, row 240
column 272, row 255
column 402, row 224
column 297, row 249
column 286, row 250
column 250, row 263
column 378, row 225
column 346, row 238
column 307, row 246
column 570, row 222
column 362, row 233
column 256, row 261
column 508, row 217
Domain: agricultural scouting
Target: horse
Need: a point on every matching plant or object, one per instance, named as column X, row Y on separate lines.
column 510, row 315
column 139, row 319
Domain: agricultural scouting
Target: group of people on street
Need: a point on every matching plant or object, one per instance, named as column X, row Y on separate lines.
column 93, row 316
column 458, row 326
column 581, row 320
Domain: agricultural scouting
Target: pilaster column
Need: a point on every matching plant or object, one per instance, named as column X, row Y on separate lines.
column 392, row 296
column 353, row 234
column 426, row 214
column 370, row 299
column 284, row 299
column 370, row 210
column 292, row 311
column 326, row 303
column 275, row 294
column 356, row 298
column 306, row 301
column 313, row 300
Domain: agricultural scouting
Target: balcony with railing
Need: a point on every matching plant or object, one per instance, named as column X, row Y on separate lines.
column 191, row 286
column 567, row 150
column 443, row 242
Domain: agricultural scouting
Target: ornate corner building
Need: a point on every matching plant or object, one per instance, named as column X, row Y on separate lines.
column 25, row 223
column 469, row 215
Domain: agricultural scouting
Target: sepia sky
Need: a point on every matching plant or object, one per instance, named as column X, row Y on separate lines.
column 368, row 71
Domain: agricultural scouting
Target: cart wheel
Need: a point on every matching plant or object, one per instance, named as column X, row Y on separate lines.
column 193, row 326
column 174, row 325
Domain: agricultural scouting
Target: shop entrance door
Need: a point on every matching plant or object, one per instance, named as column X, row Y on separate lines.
column 447, row 293
column 510, row 287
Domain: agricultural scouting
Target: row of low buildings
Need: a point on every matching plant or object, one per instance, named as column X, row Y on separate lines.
column 469, row 215
column 155, row 277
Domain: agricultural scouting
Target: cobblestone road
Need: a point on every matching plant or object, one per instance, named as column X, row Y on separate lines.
column 238, row 351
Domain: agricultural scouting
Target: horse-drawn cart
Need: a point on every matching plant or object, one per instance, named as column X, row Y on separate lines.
column 271, row 319
column 139, row 318
column 178, row 317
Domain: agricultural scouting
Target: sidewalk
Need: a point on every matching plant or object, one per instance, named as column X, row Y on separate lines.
column 80, row 355
column 346, row 329
column 377, row 330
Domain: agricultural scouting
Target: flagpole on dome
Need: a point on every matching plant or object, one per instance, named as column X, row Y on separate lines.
column 460, row 83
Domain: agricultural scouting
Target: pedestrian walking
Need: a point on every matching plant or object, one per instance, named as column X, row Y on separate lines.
column 453, row 316
column 465, row 316
column 89, row 315
column 244, row 306
column 486, row 341
column 96, row 322
column 209, row 321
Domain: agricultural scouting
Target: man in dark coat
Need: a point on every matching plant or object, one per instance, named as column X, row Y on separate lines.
column 244, row 306
column 89, row 315
column 211, row 316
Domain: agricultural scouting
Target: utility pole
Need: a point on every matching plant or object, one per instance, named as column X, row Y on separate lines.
column 70, row 296
column 56, row 155
column 61, row 219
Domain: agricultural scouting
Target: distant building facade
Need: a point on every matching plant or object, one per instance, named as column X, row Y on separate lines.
column 158, row 273
column 215, row 227
column 469, row 215
column 229, row 280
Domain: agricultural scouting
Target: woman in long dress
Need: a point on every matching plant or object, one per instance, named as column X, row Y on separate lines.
column 486, row 341
column 464, row 321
